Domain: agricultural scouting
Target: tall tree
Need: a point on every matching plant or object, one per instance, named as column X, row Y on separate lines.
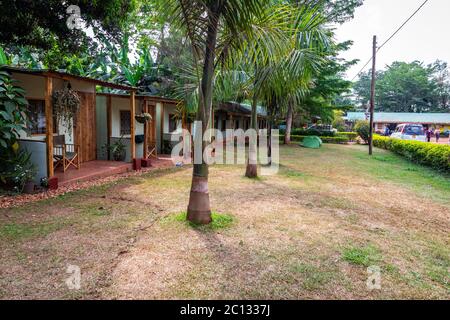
column 214, row 29
column 407, row 87
column 441, row 78
column 43, row 24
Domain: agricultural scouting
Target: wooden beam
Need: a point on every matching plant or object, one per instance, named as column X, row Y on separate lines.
column 132, row 124
column 162, row 126
column 109, row 122
column 146, row 137
column 49, row 125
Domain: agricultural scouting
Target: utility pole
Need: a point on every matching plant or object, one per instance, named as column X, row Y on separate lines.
column 372, row 94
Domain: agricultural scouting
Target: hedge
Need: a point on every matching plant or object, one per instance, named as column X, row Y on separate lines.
column 350, row 135
column 332, row 140
column 433, row 155
column 311, row 132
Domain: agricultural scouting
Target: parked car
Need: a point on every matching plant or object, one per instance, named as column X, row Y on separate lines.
column 446, row 133
column 409, row 131
column 322, row 129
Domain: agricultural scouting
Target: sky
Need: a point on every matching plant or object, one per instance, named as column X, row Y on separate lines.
column 424, row 38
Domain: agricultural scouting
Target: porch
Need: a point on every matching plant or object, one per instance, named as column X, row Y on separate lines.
column 98, row 169
column 91, row 170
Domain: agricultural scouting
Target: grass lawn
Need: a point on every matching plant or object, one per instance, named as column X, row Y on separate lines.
column 309, row 232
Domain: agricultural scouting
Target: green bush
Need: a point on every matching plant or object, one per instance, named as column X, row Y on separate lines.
column 363, row 130
column 311, row 132
column 16, row 170
column 332, row 140
column 429, row 154
column 350, row 135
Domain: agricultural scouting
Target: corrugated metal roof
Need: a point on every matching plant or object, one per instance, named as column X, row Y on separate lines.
column 59, row 74
column 242, row 108
column 399, row 117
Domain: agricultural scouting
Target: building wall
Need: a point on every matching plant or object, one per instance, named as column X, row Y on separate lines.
column 118, row 104
column 38, row 151
column 101, row 119
column 34, row 87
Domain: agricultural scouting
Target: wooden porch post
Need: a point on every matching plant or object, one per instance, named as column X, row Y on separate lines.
column 109, row 122
column 132, row 124
column 146, row 137
column 49, row 124
column 162, row 127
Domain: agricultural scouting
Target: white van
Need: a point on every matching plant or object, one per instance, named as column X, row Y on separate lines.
column 409, row 131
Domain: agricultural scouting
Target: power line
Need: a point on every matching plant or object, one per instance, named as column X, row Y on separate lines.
column 392, row 36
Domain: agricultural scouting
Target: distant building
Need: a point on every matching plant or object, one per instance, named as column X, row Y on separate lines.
column 392, row 119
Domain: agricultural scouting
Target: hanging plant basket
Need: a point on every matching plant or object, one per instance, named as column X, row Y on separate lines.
column 66, row 104
column 143, row 118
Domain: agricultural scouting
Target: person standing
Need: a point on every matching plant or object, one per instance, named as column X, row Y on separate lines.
column 438, row 135
column 428, row 133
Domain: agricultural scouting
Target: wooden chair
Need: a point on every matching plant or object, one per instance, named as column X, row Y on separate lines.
column 65, row 154
column 151, row 149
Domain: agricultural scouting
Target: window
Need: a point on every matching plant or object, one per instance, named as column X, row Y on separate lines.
column 125, row 122
column 414, row 130
column 172, row 123
column 224, row 125
column 38, row 123
column 236, row 124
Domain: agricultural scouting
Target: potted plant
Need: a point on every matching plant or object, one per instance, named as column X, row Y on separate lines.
column 143, row 117
column 117, row 150
column 29, row 185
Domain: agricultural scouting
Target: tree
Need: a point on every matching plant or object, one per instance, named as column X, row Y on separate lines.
column 214, row 28
column 407, row 87
column 441, row 78
column 285, row 75
column 327, row 88
column 43, row 24
column 337, row 11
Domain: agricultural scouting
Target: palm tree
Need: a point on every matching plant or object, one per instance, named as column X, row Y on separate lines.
column 283, row 79
column 214, row 29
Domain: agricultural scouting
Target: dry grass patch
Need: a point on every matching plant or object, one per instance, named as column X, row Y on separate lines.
column 309, row 232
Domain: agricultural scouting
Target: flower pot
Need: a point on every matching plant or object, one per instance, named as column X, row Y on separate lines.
column 143, row 118
column 119, row 156
column 29, row 187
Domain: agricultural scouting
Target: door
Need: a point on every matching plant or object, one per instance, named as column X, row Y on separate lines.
column 151, row 125
column 85, row 129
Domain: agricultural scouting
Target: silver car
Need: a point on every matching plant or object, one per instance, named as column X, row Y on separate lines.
column 407, row 131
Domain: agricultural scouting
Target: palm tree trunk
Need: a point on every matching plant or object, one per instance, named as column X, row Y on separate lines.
column 199, row 209
column 289, row 118
column 252, row 167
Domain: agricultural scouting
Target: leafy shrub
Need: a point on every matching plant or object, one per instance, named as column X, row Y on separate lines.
column 429, row 154
column 16, row 170
column 363, row 130
column 332, row 140
column 13, row 110
column 350, row 135
column 312, row 132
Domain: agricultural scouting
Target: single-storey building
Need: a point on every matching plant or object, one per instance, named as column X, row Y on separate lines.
column 383, row 120
column 103, row 118
column 234, row 115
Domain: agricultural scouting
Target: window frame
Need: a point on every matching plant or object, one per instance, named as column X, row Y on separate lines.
column 55, row 121
column 172, row 120
column 120, row 122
